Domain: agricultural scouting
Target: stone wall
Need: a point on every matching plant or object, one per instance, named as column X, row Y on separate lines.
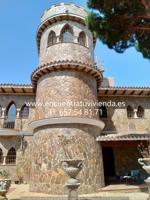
column 66, row 51
column 12, row 171
column 81, row 54
column 61, row 8
column 24, row 158
column 8, row 142
column 51, row 144
column 19, row 101
column 117, row 116
column 66, row 86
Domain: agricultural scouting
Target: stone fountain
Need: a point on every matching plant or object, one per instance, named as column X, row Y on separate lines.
column 4, row 187
column 72, row 167
column 5, row 183
column 145, row 163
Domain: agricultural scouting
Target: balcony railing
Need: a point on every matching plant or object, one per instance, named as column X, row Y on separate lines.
column 8, row 160
column 11, row 160
column 9, row 125
column 1, row 160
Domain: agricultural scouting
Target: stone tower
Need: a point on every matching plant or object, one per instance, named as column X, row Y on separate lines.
column 66, row 121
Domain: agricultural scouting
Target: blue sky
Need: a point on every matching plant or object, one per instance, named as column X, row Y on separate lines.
column 19, row 20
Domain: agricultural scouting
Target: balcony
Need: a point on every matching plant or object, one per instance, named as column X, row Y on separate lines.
column 16, row 125
column 8, row 160
column 11, row 160
column 9, row 125
column 1, row 160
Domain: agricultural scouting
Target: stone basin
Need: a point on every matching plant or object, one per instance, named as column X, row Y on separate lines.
column 4, row 186
column 72, row 167
column 147, row 169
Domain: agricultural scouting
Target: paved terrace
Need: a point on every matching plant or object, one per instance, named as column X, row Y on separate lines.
column 116, row 192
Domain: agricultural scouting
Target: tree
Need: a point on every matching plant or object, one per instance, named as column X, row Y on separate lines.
column 121, row 24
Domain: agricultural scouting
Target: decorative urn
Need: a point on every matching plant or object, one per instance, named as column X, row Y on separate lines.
column 5, row 183
column 72, row 167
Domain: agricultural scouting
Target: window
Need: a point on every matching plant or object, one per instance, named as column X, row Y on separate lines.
column 66, row 34
column 130, row 112
column 10, row 116
column 11, row 156
column 1, row 156
column 52, row 39
column 82, row 39
column 103, row 112
column 140, row 112
column 0, row 111
column 24, row 113
column 11, row 112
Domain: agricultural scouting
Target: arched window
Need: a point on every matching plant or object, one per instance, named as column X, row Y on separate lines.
column 11, row 112
column 103, row 112
column 0, row 111
column 130, row 112
column 24, row 113
column 82, row 39
column 10, row 116
column 66, row 34
column 1, row 156
column 11, row 156
column 52, row 39
column 140, row 112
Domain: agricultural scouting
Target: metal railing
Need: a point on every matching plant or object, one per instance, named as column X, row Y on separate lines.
column 11, row 160
column 8, row 160
column 9, row 125
column 1, row 159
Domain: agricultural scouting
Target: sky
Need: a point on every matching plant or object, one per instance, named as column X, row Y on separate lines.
column 19, row 20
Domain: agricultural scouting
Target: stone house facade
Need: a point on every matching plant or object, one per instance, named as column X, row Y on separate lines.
column 70, row 112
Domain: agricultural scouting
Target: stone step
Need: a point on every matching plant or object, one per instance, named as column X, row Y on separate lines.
column 124, row 189
column 81, row 198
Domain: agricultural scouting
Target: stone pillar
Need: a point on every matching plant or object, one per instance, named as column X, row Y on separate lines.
column 18, row 113
column 135, row 113
column 3, row 113
column 58, row 39
column 4, row 160
column 18, row 120
column 2, row 119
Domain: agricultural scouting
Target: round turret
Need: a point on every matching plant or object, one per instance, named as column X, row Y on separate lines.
column 62, row 30
column 64, row 39
column 66, row 117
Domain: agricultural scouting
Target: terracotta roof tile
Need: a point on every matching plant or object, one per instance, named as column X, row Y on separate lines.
column 124, row 137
